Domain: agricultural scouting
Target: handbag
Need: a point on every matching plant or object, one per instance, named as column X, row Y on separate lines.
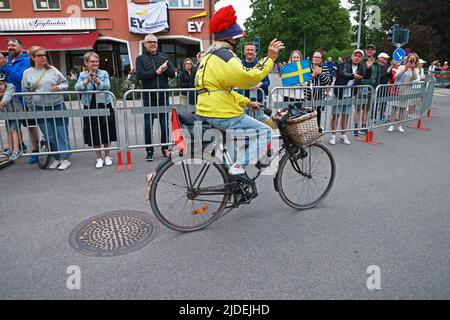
column 34, row 86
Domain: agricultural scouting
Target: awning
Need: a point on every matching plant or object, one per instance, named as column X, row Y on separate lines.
column 53, row 42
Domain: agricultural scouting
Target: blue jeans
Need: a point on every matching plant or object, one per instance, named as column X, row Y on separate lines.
column 148, row 127
column 55, row 130
column 259, row 136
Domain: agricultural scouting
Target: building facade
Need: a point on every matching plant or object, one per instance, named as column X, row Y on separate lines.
column 69, row 28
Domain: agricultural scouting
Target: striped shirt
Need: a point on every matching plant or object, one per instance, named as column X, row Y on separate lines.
column 324, row 79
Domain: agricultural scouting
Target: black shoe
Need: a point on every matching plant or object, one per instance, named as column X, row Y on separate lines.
column 149, row 156
column 166, row 154
column 259, row 165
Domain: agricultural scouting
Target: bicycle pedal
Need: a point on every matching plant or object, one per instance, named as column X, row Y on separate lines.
column 260, row 165
column 244, row 178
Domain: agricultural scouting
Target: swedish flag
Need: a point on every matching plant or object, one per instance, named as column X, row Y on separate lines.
column 296, row 73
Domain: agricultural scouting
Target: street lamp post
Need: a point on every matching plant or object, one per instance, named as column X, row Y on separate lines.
column 360, row 23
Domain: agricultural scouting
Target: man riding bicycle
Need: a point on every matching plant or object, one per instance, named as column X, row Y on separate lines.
column 219, row 72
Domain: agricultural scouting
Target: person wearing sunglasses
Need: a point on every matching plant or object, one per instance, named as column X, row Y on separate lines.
column 408, row 72
column 42, row 77
column 320, row 78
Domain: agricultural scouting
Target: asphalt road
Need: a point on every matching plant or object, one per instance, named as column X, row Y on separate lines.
column 389, row 207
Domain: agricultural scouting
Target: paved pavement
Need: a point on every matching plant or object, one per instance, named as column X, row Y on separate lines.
column 389, row 207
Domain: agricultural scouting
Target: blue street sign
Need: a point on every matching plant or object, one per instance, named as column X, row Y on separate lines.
column 399, row 55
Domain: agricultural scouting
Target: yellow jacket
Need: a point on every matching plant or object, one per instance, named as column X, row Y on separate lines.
column 218, row 73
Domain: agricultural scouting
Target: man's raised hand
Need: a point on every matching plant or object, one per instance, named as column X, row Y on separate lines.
column 275, row 47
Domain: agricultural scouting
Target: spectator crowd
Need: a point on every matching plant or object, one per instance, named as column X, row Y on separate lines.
column 30, row 72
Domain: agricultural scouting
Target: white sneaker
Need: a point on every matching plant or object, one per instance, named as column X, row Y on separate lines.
column 108, row 161
column 236, row 169
column 400, row 129
column 99, row 163
column 391, row 128
column 333, row 139
column 343, row 138
column 54, row 164
column 64, row 165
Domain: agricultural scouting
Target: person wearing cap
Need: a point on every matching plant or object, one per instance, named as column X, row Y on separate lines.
column 445, row 66
column 349, row 74
column 219, row 72
column 383, row 64
column 373, row 81
column 421, row 69
column 13, row 68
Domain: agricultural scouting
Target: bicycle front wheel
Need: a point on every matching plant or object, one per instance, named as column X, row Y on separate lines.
column 189, row 194
column 305, row 179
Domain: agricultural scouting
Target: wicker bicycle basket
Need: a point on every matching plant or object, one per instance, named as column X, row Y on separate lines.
column 303, row 130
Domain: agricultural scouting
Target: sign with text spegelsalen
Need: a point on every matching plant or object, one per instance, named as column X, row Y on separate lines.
column 147, row 18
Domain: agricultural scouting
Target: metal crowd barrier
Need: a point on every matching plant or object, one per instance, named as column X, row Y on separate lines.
column 397, row 104
column 340, row 109
column 143, row 106
column 429, row 92
column 64, row 122
column 359, row 109
column 442, row 78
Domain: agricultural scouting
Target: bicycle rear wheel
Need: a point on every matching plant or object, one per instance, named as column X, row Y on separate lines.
column 190, row 194
column 304, row 180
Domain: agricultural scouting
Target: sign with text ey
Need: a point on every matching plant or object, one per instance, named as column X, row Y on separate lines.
column 148, row 18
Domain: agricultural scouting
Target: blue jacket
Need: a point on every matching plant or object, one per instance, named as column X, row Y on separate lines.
column 265, row 82
column 14, row 71
column 104, row 85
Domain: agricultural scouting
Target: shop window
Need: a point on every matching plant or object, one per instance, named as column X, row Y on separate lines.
column 168, row 48
column 95, row 4
column 5, row 5
column 123, row 48
column 185, row 4
column 46, row 5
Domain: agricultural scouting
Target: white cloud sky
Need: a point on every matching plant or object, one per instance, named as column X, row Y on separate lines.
column 243, row 10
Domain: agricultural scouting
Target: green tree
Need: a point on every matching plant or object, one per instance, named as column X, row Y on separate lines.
column 429, row 24
column 427, row 21
column 324, row 24
column 374, row 33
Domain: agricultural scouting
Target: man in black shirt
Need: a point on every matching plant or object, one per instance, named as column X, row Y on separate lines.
column 154, row 69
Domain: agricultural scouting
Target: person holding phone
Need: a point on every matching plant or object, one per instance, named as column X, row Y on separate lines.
column 407, row 73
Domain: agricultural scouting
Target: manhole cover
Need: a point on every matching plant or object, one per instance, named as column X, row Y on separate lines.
column 114, row 233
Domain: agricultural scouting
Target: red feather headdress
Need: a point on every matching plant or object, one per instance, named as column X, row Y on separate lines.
column 222, row 19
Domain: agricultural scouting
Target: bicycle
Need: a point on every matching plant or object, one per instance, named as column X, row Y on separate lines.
column 189, row 194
